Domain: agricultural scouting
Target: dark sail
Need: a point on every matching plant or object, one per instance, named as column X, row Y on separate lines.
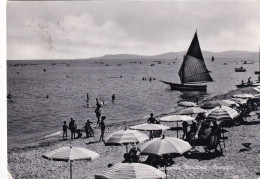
column 193, row 68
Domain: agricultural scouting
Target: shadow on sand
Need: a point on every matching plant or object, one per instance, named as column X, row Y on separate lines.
column 204, row 156
column 92, row 142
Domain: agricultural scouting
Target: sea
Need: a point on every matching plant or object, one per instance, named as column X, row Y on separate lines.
column 31, row 116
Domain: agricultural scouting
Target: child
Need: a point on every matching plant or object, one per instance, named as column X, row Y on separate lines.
column 65, row 127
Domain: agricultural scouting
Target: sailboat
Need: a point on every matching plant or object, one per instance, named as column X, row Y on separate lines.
column 193, row 70
column 212, row 59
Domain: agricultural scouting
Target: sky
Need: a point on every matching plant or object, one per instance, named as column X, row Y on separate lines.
column 85, row 29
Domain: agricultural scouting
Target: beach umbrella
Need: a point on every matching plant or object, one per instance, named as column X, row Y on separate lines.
column 165, row 145
column 125, row 137
column 187, row 104
column 243, row 96
column 150, row 127
column 176, row 118
column 70, row 154
column 222, row 113
column 239, row 100
column 213, row 104
column 131, row 171
column 228, row 102
column 190, row 111
column 257, row 89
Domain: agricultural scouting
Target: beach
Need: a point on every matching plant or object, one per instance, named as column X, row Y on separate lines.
column 27, row 161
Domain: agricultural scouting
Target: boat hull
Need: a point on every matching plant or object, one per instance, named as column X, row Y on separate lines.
column 239, row 70
column 243, row 86
column 186, row 87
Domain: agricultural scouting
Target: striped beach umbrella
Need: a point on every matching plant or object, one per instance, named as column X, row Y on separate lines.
column 190, row 111
column 165, row 145
column 150, row 127
column 131, row 171
column 187, row 104
column 70, row 154
column 125, row 137
column 222, row 113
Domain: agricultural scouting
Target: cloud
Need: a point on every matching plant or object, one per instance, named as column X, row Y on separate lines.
column 44, row 30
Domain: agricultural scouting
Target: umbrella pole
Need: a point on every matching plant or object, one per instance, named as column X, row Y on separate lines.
column 70, row 169
column 177, row 130
column 126, row 148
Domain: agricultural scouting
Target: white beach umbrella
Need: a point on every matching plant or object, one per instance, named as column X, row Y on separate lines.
column 222, row 113
column 239, row 100
column 187, row 104
column 176, row 118
column 192, row 110
column 131, row 171
column 257, row 89
column 125, row 137
column 70, row 154
column 243, row 96
column 150, row 127
column 228, row 102
column 165, row 145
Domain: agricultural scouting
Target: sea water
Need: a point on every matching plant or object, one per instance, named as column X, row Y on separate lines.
column 32, row 116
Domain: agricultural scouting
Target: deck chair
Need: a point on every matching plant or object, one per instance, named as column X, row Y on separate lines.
column 213, row 144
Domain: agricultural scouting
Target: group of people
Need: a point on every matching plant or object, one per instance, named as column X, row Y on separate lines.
column 87, row 127
column 201, row 132
column 132, row 156
column 249, row 82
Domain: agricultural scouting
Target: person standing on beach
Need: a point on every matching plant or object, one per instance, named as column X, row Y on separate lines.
column 102, row 127
column 152, row 119
column 74, row 130
column 71, row 126
column 113, row 97
column 98, row 113
column 65, row 127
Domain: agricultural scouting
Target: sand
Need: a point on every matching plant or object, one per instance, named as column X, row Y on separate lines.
column 236, row 162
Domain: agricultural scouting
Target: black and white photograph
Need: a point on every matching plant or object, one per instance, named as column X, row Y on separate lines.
column 132, row 89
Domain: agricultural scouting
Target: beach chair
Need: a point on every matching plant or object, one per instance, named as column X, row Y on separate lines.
column 213, row 144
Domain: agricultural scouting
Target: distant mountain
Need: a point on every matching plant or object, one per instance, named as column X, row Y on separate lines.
column 172, row 55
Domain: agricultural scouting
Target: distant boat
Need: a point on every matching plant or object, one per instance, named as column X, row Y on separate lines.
column 244, row 85
column 193, row 70
column 225, row 64
column 248, row 62
column 240, row 69
column 212, row 59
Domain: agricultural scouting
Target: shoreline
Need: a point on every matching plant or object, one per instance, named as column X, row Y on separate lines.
column 56, row 138
column 43, row 168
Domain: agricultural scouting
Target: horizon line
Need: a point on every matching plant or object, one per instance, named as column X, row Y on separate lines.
column 96, row 57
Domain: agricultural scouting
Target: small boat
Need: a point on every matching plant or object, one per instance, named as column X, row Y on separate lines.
column 212, row 59
column 225, row 64
column 244, row 85
column 193, row 70
column 240, row 69
column 248, row 62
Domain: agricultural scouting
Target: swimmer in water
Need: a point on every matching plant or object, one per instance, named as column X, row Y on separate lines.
column 9, row 96
column 47, row 96
column 113, row 97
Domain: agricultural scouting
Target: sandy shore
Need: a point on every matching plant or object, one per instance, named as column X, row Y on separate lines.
column 27, row 162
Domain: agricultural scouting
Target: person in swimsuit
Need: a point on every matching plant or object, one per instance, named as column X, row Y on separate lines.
column 102, row 127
